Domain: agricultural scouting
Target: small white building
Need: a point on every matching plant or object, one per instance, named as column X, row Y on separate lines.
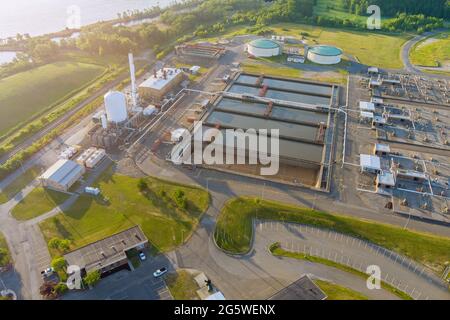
column 386, row 179
column 366, row 115
column 373, row 71
column 62, row 175
column 378, row 102
column 381, row 149
column 370, row 163
column 366, row 106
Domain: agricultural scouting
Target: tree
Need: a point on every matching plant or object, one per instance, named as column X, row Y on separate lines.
column 59, row 264
column 54, row 243
column 142, row 185
column 92, row 278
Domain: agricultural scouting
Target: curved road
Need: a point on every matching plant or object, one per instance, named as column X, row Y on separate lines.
column 405, row 54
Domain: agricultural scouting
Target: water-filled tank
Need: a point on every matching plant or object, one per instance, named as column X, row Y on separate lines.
column 116, row 107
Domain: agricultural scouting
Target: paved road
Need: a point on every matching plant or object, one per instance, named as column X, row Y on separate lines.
column 237, row 276
column 405, row 54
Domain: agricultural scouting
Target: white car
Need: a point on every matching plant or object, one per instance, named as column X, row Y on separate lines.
column 142, row 256
column 48, row 272
column 160, row 272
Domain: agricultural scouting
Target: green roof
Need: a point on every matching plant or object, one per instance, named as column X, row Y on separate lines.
column 264, row 44
column 326, row 50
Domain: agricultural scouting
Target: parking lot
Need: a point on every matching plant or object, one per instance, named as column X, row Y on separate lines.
column 130, row 285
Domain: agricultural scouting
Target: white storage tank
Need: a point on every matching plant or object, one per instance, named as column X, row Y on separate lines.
column 264, row 48
column 325, row 55
column 116, row 107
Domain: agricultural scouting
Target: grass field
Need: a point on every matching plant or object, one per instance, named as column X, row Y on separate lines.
column 5, row 256
column 182, row 285
column 369, row 48
column 38, row 202
column 432, row 52
column 30, row 93
column 234, row 230
column 17, row 185
column 123, row 206
column 262, row 67
column 337, row 292
column 277, row 251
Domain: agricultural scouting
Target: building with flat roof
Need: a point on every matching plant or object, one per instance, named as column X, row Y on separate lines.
column 302, row 289
column 381, row 149
column 370, row 163
column 107, row 254
column 160, row 84
column 385, row 179
column 62, row 175
column 366, row 106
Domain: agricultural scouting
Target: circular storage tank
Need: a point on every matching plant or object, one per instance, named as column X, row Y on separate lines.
column 325, row 55
column 264, row 48
column 116, row 107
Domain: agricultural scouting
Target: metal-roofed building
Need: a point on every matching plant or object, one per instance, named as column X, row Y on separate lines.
column 366, row 106
column 381, row 149
column 386, row 179
column 160, row 83
column 370, row 163
column 302, row 289
column 62, row 175
column 107, row 254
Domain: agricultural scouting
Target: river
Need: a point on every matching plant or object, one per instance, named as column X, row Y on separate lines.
column 38, row 17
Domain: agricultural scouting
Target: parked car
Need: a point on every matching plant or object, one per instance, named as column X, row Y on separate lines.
column 47, row 272
column 160, row 272
column 142, row 256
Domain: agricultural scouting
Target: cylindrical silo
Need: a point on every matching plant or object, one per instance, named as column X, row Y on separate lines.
column 116, row 107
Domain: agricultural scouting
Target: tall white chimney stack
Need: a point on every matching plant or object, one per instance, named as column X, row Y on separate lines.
column 133, row 79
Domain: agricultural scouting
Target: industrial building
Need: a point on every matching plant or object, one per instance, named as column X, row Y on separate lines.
column 264, row 48
column 62, row 175
column 326, row 55
column 108, row 254
column 370, row 163
column 160, row 84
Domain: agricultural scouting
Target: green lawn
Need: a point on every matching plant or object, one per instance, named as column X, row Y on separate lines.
column 432, row 52
column 277, row 251
column 35, row 91
column 262, row 67
column 5, row 256
column 17, row 185
column 377, row 49
column 182, row 285
column 234, row 230
column 38, row 202
column 123, row 206
column 337, row 292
